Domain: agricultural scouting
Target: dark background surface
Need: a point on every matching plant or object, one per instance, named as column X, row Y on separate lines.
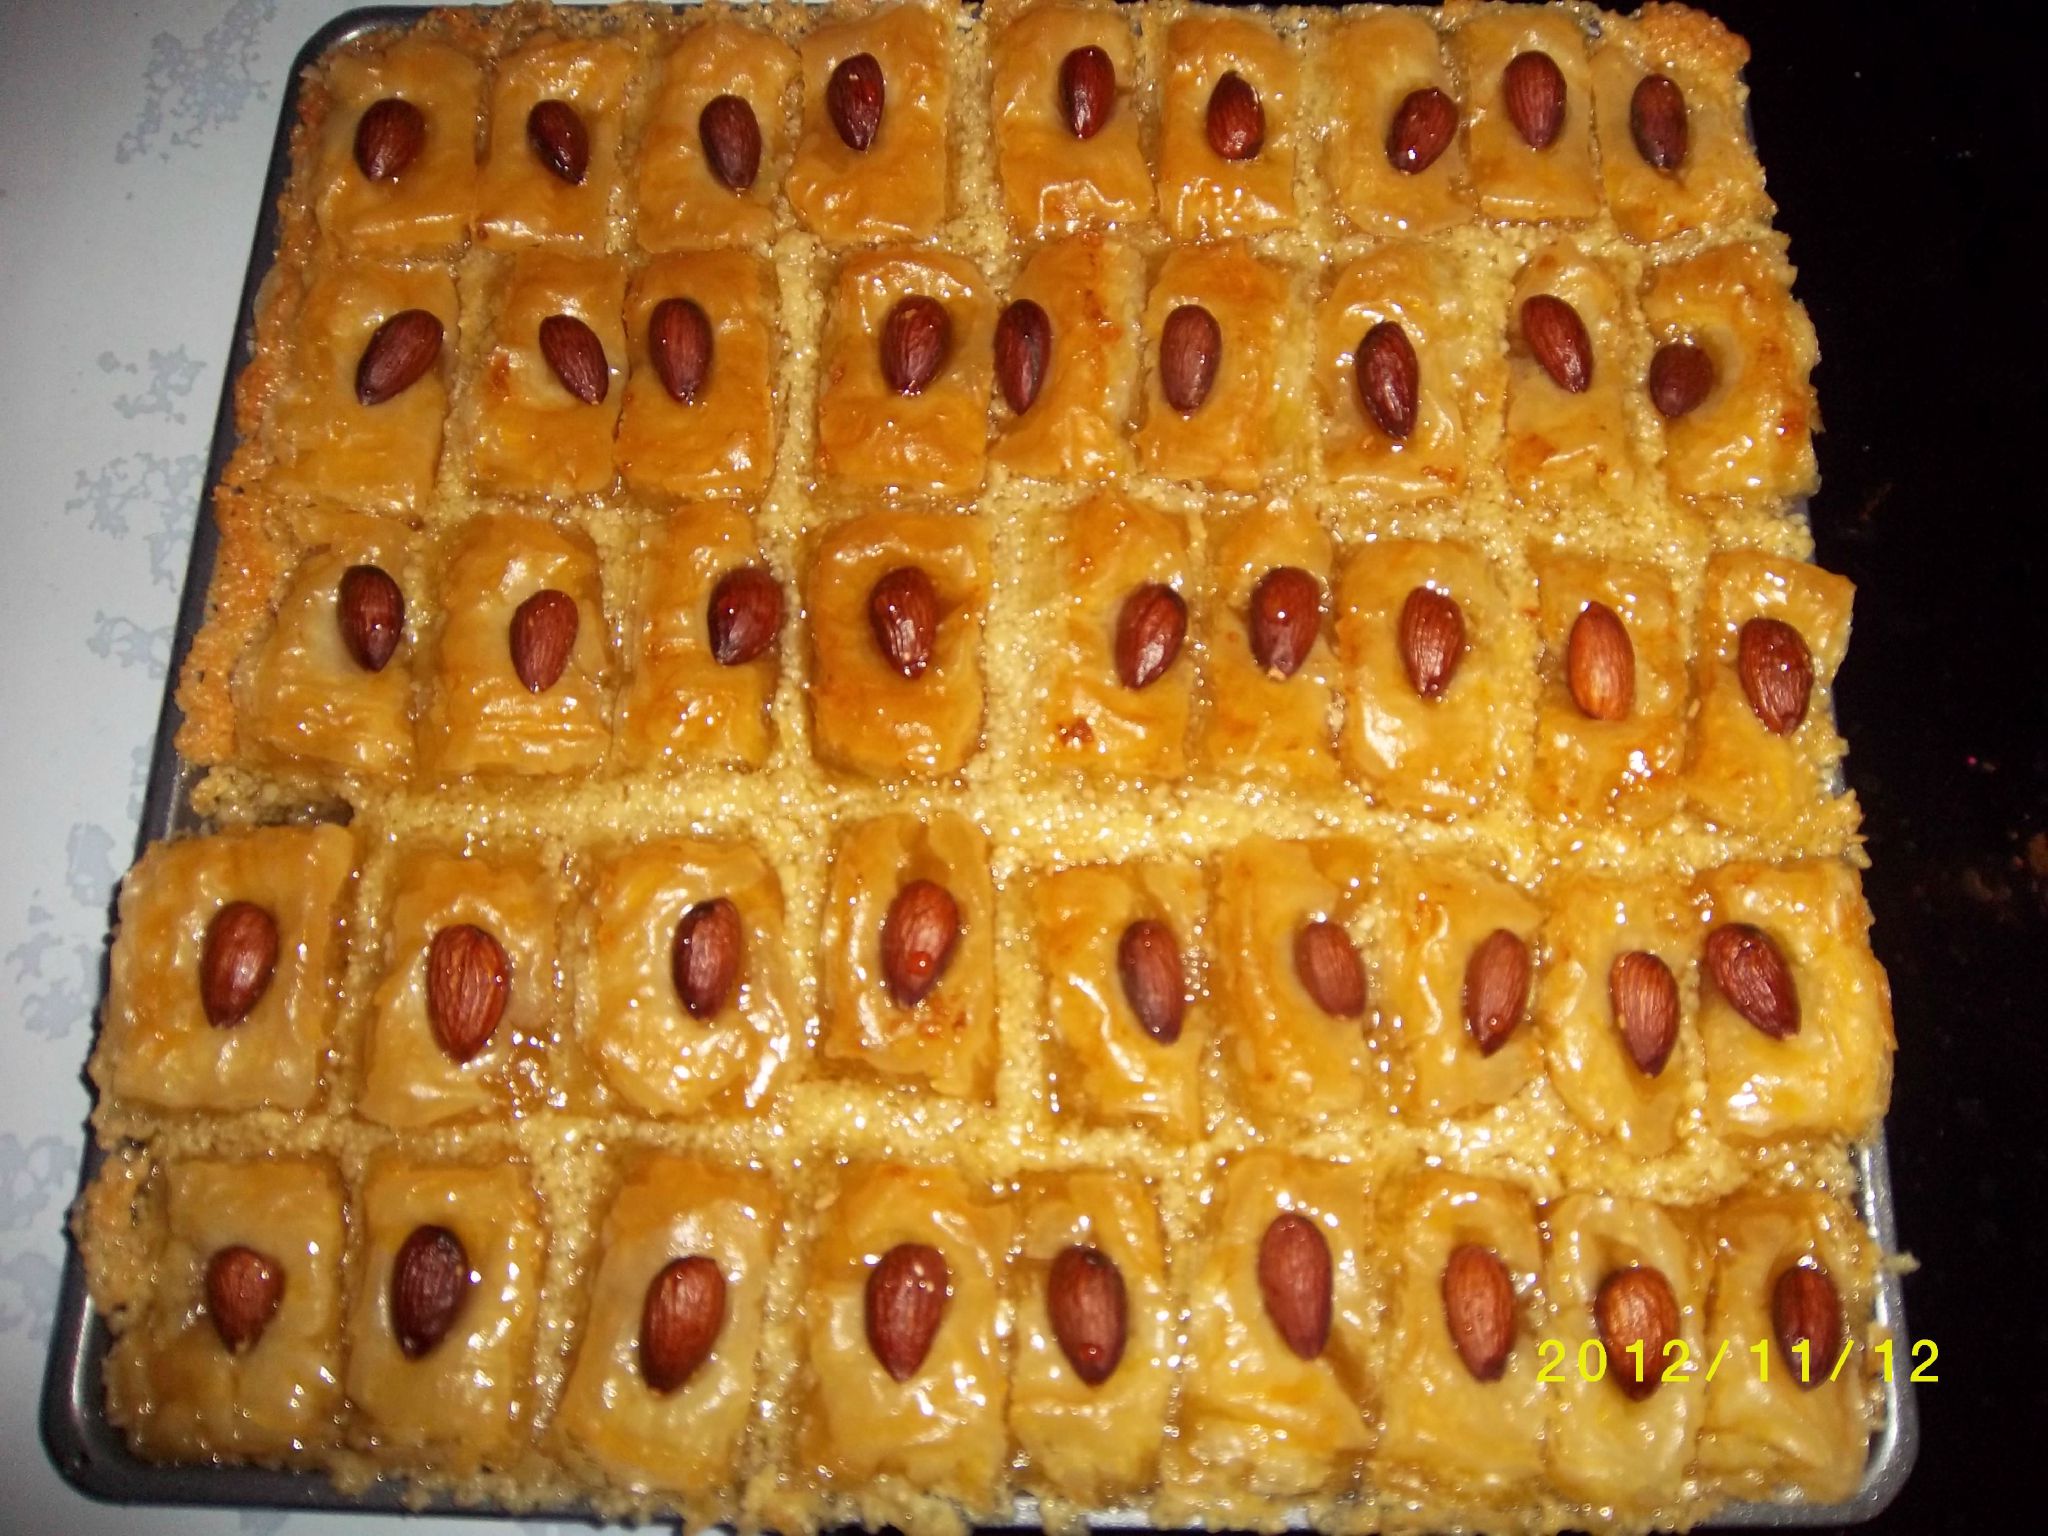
column 1904, row 148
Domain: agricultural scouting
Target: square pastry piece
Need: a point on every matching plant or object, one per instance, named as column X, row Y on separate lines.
column 662, row 1386
column 237, row 1350
column 1528, row 110
column 871, row 160
column 558, row 107
column 363, row 394
column 396, row 168
column 545, row 402
column 1067, row 104
column 1229, row 98
column 906, row 1383
column 220, row 991
column 1076, row 375
column 1574, row 370
column 717, row 138
column 1394, row 156
column 908, row 953
column 446, row 1292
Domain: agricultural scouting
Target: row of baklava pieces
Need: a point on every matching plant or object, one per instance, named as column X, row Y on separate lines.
column 573, row 374
column 511, row 645
column 1431, row 1328
column 692, row 143
column 1331, row 976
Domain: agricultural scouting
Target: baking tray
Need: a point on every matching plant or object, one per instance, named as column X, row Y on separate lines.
column 91, row 1454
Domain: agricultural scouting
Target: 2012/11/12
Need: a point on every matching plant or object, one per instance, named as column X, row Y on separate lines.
column 1591, row 1360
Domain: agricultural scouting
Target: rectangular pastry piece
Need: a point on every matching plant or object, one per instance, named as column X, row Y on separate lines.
column 1574, row 366
column 1529, row 164
column 1064, row 167
column 722, row 85
column 1074, row 422
column 1229, row 97
column 551, row 158
column 1392, row 152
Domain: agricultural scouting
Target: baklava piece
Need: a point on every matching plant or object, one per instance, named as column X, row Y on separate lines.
column 546, row 397
column 396, row 167
column 519, row 671
column 220, row 991
column 872, row 158
column 463, row 1024
column 359, row 412
column 716, row 139
column 1729, row 377
column 662, row 1385
column 558, row 107
column 1669, row 108
column 1395, row 155
column 895, row 605
column 1614, row 1008
column 703, row 645
column 684, row 1002
column 1117, row 680
column 1222, row 406
column 1528, row 110
column 1281, row 1378
column 236, row 1351
column 906, row 1384
column 1096, row 1340
column 446, row 1297
column 1119, row 945
column 1789, row 1410
column 699, row 414
column 1463, row 1424
column 909, row 954
column 1227, row 108
column 1068, row 129
column 1795, row 1011
column 1432, row 658
column 1632, row 1276
column 1611, row 717
column 1067, row 363
column 1765, row 751
column 1573, row 368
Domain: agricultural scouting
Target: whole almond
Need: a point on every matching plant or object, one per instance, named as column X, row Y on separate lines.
column 469, row 981
column 1600, row 664
column 1087, row 91
column 854, row 97
column 916, row 337
column 389, row 137
column 679, row 345
column 236, row 962
column 556, row 132
column 1752, row 974
column 680, row 1320
column 1285, row 616
column 745, row 615
column 705, row 960
column 1496, row 989
column 1148, row 962
column 1807, row 1309
column 918, row 935
column 430, row 1278
column 1327, row 963
column 1190, row 346
column 1023, row 349
column 1681, row 377
column 906, row 1299
column 400, row 352
column 1479, row 1306
column 577, row 357
column 1294, row 1279
column 543, row 635
column 1532, row 86
column 1645, row 998
column 1423, row 127
column 1236, row 123
column 1389, row 379
column 243, row 1290
column 1557, row 338
column 1431, row 640
column 1149, row 630
column 731, row 136
column 1086, row 1305
column 1656, row 121
column 1776, row 670
column 370, row 611
column 1635, row 1307
column 903, row 613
